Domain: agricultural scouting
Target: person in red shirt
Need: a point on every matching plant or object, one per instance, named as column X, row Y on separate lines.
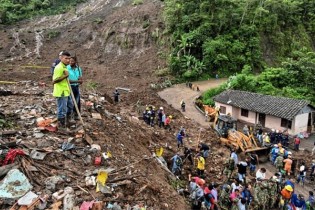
column 297, row 142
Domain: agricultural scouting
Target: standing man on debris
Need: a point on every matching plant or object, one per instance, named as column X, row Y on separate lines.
column 116, row 95
column 62, row 90
column 200, row 165
column 75, row 79
column 177, row 164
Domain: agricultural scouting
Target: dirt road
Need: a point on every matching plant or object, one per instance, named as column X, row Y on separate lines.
column 176, row 93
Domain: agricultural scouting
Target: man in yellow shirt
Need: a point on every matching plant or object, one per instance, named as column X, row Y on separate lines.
column 200, row 165
column 62, row 90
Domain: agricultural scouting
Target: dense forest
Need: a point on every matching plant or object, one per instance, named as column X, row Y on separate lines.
column 267, row 45
column 14, row 10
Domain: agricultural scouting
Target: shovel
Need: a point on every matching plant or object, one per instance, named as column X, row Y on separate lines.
column 85, row 136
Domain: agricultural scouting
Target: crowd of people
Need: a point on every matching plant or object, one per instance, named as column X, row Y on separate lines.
column 245, row 186
column 160, row 118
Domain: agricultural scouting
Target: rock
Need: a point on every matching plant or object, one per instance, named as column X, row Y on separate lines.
column 51, row 182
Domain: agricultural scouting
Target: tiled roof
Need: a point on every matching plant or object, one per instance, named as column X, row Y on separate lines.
column 286, row 108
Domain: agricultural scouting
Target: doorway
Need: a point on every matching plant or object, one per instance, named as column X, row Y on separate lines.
column 262, row 119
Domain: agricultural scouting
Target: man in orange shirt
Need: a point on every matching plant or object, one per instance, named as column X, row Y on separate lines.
column 288, row 164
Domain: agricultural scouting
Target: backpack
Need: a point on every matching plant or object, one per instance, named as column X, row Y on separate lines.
column 178, row 161
column 54, row 64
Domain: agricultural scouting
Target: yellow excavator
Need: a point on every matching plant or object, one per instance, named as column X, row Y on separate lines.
column 226, row 128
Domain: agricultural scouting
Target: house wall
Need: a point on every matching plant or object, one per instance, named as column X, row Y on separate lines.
column 251, row 117
column 228, row 108
column 300, row 123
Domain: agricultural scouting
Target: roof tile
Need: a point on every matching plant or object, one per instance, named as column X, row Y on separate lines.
column 282, row 107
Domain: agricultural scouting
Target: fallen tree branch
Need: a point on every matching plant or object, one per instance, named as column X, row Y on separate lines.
column 86, row 191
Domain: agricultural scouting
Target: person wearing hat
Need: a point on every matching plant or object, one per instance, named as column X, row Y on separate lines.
column 160, row 115
column 197, row 195
column 152, row 116
column 288, row 164
column 167, row 123
column 274, row 153
column 286, row 193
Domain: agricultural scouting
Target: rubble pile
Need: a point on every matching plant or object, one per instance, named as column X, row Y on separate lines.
column 107, row 161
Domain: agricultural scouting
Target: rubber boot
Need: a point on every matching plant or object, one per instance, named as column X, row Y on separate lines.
column 70, row 121
column 62, row 125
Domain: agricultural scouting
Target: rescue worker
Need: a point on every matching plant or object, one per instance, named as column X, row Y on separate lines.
column 179, row 138
column 204, row 150
column 229, row 167
column 279, row 163
column 188, row 155
column 197, row 196
column 224, row 201
column 288, row 165
column 160, row 115
column 200, row 165
column 274, row 153
column 273, row 192
column 146, row 115
column 167, row 123
column 177, row 164
column 286, row 194
column 152, row 116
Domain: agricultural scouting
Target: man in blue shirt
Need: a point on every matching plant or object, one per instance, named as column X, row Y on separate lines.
column 298, row 201
column 75, row 79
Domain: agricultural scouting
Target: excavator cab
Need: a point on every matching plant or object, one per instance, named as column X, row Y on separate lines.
column 224, row 124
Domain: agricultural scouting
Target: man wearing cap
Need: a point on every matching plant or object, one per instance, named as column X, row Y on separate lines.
column 62, row 90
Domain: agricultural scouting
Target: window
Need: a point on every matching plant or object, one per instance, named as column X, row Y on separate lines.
column 244, row 112
column 223, row 109
column 286, row 123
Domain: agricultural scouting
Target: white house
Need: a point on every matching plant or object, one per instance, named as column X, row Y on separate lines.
column 272, row 112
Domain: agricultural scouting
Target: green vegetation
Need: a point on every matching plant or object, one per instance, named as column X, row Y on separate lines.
column 137, row 2
column 14, row 10
column 266, row 44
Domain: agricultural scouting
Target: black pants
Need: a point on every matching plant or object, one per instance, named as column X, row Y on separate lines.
column 76, row 93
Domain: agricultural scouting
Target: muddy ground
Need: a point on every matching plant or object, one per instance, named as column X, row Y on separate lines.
column 118, row 45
